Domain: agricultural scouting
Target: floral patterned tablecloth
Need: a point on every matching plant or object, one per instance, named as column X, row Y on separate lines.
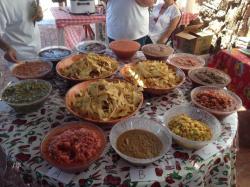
column 21, row 135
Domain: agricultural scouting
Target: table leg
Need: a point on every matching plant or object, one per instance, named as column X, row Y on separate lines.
column 100, row 33
column 60, row 36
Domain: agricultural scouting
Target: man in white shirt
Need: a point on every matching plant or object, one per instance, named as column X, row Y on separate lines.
column 19, row 35
column 128, row 19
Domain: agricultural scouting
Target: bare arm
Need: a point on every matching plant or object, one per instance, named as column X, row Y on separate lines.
column 146, row 3
column 105, row 1
column 10, row 53
column 173, row 24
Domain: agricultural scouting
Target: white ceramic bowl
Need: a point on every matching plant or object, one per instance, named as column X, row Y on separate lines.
column 145, row 124
column 198, row 114
column 80, row 46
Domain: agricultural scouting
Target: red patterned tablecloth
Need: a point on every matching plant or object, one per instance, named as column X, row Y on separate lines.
column 63, row 18
column 237, row 65
column 187, row 17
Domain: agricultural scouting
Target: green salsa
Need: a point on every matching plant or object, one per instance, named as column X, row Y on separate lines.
column 25, row 92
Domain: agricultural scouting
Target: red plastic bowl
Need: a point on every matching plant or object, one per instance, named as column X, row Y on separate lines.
column 124, row 49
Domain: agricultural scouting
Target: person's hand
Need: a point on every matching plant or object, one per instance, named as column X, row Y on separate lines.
column 10, row 55
column 161, row 41
column 38, row 15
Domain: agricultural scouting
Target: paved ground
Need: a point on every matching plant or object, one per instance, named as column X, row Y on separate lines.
column 243, row 156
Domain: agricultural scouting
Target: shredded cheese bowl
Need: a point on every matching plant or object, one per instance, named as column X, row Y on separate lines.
column 104, row 101
column 155, row 77
column 83, row 67
column 192, row 127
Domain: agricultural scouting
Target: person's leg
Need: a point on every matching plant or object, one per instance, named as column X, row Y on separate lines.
column 110, row 39
column 141, row 40
column 148, row 40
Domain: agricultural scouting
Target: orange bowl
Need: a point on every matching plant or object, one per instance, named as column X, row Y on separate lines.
column 70, row 96
column 155, row 91
column 124, row 49
column 71, row 60
column 73, row 167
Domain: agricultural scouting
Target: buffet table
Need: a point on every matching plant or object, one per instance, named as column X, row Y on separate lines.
column 213, row 165
column 237, row 66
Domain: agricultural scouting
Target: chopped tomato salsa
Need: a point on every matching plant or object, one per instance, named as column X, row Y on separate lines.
column 73, row 146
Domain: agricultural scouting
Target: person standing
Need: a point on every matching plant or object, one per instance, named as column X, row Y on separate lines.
column 163, row 21
column 19, row 34
column 128, row 19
